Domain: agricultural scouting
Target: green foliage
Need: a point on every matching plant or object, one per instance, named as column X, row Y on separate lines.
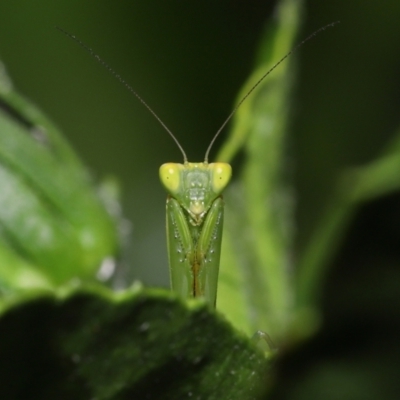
column 274, row 289
column 53, row 226
column 256, row 254
column 91, row 343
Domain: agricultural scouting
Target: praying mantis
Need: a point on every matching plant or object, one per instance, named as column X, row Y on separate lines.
column 195, row 207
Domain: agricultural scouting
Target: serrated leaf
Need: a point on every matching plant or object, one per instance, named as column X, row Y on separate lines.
column 94, row 344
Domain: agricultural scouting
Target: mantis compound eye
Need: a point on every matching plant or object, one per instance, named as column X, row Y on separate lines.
column 221, row 175
column 170, row 176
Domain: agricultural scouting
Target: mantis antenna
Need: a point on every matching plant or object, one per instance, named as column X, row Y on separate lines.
column 123, row 81
column 261, row 79
column 126, row 84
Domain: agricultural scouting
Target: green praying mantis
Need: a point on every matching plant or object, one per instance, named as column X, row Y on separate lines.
column 195, row 207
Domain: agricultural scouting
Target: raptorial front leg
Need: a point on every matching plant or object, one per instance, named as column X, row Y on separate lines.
column 180, row 250
column 209, row 251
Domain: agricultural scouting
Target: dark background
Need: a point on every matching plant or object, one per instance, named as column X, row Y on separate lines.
column 188, row 60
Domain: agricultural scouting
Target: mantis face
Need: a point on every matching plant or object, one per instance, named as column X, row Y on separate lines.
column 195, row 185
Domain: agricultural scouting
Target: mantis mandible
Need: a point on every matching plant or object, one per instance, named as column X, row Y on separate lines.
column 194, row 204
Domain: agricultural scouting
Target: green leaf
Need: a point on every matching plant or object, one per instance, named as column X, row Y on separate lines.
column 258, row 239
column 53, row 226
column 92, row 343
column 354, row 186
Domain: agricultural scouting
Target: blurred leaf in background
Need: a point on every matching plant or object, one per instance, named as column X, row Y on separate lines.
column 53, row 225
